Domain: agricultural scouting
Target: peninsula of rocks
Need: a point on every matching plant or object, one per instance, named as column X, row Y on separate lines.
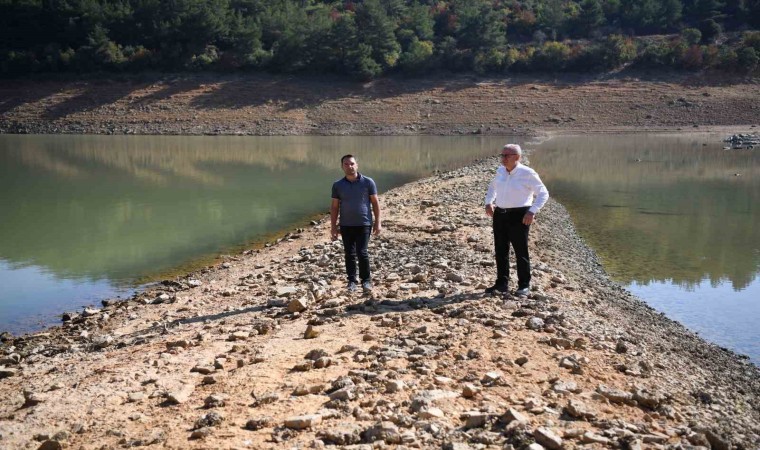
column 268, row 350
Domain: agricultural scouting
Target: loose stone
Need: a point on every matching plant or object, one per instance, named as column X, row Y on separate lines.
column 303, row 422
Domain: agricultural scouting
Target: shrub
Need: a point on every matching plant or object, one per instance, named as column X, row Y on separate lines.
column 589, row 58
column 751, row 39
column 692, row 58
column 711, row 55
column 202, row 61
column 619, row 50
column 417, row 56
column 552, row 56
column 728, row 59
column 491, row 60
column 747, row 58
column 691, row 36
column 658, row 54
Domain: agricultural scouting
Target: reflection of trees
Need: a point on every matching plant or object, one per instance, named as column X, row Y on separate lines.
column 118, row 207
column 683, row 219
column 162, row 159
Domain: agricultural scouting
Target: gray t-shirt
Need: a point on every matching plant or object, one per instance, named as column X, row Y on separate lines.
column 355, row 207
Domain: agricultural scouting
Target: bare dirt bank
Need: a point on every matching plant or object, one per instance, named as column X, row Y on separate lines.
column 270, row 105
column 267, row 350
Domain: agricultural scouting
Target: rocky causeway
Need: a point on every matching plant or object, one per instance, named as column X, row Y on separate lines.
column 266, row 349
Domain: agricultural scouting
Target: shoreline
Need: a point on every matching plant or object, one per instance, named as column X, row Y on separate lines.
column 268, row 105
column 601, row 367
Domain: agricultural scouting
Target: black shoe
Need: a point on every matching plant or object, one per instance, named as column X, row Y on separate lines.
column 351, row 286
column 523, row 291
column 500, row 288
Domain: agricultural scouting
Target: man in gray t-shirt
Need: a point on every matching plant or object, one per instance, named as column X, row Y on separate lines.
column 352, row 198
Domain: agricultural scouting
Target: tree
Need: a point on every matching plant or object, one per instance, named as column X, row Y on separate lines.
column 671, row 12
column 376, row 32
column 479, row 26
column 644, row 16
column 551, row 17
column 590, row 18
column 710, row 30
column 707, row 9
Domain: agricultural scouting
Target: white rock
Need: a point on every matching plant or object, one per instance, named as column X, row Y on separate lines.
column 303, row 422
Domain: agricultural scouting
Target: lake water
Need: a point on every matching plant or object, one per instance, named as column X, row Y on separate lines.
column 674, row 218
column 83, row 218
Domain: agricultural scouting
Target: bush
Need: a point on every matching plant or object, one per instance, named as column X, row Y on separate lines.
column 692, row 58
column 728, row 59
column 691, row 36
column 552, row 56
column 590, row 58
column 747, row 58
column 659, row 54
column 619, row 50
column 491, row 60
column 417, row 57
column 751, row 39
column 203, row 61
column 711, row 55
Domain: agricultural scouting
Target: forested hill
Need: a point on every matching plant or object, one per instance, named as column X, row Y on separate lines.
column 368, row 38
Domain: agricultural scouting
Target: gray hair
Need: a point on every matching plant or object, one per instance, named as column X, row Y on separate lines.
column 514, row 147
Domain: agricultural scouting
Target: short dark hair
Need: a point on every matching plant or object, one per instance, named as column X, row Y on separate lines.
column 345, row 157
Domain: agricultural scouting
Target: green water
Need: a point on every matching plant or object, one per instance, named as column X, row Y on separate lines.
column 89, row 217
column 674, row 218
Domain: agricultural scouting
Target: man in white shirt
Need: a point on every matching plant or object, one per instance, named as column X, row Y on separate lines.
column 514, row 197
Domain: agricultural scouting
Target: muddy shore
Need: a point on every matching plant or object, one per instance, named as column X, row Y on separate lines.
column 267, row 350
column 198, row 104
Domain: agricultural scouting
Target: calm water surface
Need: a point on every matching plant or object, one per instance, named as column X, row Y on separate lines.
column 84, row 218
column 674, row 218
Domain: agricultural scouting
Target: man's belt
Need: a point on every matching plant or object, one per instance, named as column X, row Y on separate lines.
column 507, row 210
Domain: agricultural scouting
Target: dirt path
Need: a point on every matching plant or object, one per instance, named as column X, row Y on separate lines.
column 269, row 105
column 219, row 359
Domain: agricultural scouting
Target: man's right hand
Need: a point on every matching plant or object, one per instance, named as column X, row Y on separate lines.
column 334, row 232
column 489, row 210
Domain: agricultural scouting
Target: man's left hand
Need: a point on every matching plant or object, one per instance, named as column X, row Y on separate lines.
column 528, row 218
column 377, row 228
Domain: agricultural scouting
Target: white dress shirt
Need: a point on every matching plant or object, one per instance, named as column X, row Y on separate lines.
column 517, row 189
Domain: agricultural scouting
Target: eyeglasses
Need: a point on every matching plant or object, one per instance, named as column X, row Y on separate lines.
column 507, row 155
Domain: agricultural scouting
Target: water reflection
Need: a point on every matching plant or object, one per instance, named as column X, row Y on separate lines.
column 673, row 218
column 115, row 209
column 673, row 208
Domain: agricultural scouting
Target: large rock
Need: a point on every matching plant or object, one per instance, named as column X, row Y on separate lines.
column 383, row 431
column 614, row 395
column 579, row 410
column 286, row 291
column 342, row 434
column 180, row 395
column 547, row 438
column 298, row 305
column 303, row 422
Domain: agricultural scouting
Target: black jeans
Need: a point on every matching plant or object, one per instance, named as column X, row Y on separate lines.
column 509, row 229
column 355, row 241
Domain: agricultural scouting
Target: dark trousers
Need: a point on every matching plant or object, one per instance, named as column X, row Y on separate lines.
column 355, row 241
column 509, row 229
